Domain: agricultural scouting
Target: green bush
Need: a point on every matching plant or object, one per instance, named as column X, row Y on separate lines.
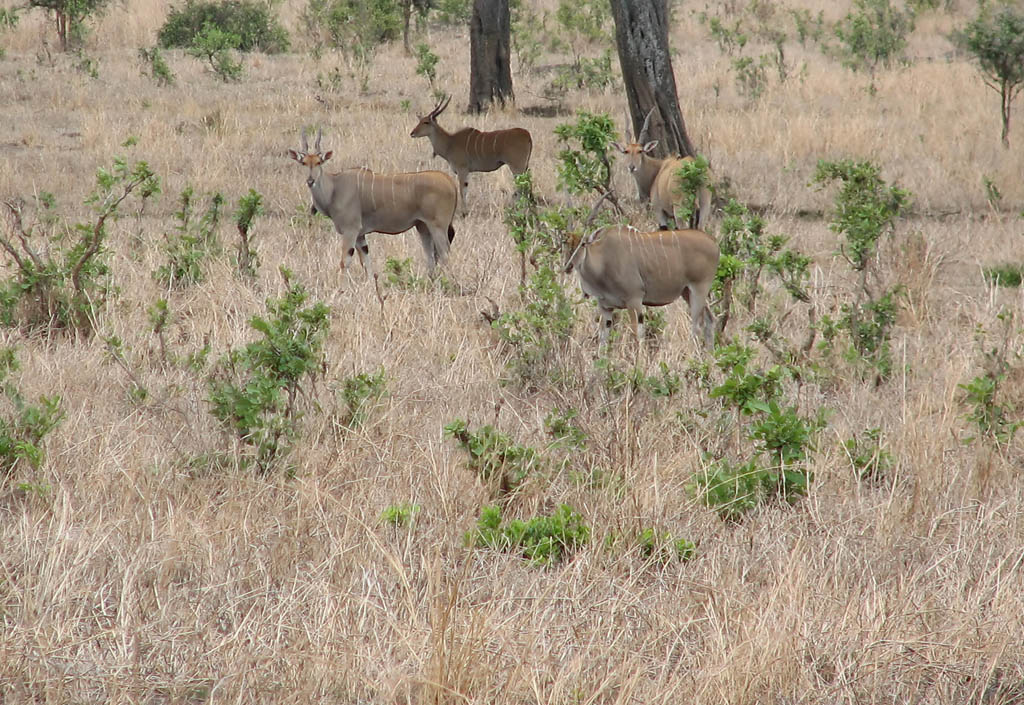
column 256, row 391
column 153, row 61
column 536, row 331
column 866, row 210
column 359, row 394
column 662, row 546
column 252, row 23
column 248, row 259
column 194, row 241
column 398, row 515
column 542, row 540
column 494, row 456
column 61, row 280
column 355, row 25
column 873, row 35
column 23, row 426
column 214, row 45
column 1009, row 275
column 584, row 162
column 870, row 460
column 454, row 12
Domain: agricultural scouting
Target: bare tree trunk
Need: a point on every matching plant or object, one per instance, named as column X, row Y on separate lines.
column 490, row 76
column 641, row 33
column 406, row 18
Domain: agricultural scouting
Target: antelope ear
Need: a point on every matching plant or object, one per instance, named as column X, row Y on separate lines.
column 327, row 155
column 619, row 147
column 295, row 155
column 650, row 146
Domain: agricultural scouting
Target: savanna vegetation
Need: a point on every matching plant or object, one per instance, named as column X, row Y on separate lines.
column 231, row 472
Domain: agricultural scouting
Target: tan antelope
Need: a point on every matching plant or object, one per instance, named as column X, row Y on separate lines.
column 657, row 182
column 359, row 202
column 470, row 149
column 624, row 268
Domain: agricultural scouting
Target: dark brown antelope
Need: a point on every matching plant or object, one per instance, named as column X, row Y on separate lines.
column 359, row 202
column 471, row 150
column 624, row 268
column 657, row 181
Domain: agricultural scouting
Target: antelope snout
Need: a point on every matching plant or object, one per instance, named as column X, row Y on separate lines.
column 310, row 181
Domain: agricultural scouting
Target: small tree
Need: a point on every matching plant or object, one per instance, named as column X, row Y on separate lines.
column 70, row 15
column 874, row 34
column 997, row 42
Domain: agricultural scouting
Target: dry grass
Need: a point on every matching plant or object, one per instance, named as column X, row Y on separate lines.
column 134, row 578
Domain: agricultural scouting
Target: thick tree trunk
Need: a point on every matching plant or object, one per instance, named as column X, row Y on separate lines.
column 641, row 33
column 490, row 76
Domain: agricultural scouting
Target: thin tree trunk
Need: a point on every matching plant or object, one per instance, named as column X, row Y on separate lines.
column 406, row 18
column 641, row 34
column 490, row 76
column 1007, row 96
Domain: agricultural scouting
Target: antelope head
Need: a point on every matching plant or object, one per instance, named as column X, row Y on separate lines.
column 635, row 150
column 428, row 123
column 314, row 160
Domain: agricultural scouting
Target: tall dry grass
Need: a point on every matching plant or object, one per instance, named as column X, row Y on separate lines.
column 131, row 576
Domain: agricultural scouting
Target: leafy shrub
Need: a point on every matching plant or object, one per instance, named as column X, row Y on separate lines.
column 866, row 209
column 584, row 163
column 618, row 379
column 996, row 409
column 249, row 207
column 1010, row 275
column 536, row 331
column 62, row 280
column 355, row 25
column 399, row 515
column 194, row 241
column 255, row 391
column 494, row 456
column 733, row 490
column 454, row 12
column 873, row 35
column 359, row 393
column 215, row 46
column 747, row 252
column 153, row 61
column 691, row 177
column 594, row 74
column 869, row 459
column 23, row 426
column 252, row 23
column 542, row 540
column 563, row 430
column 662, row 546
column 426, row 62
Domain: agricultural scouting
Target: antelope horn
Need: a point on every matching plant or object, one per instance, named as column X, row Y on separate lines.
column 305, row 142
column 441, row 106
column 647, row 123
column 596, row 209
column 319, row 134
column 629, row 126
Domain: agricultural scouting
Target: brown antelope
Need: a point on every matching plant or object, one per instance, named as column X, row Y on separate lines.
column 624, row 268
column 470, row 149
column 657, row 182
column 360, row 202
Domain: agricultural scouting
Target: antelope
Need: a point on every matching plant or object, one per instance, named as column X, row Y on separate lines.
column 359, row 201
column 656, row 180
column 470, row 149
column 624, row 268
